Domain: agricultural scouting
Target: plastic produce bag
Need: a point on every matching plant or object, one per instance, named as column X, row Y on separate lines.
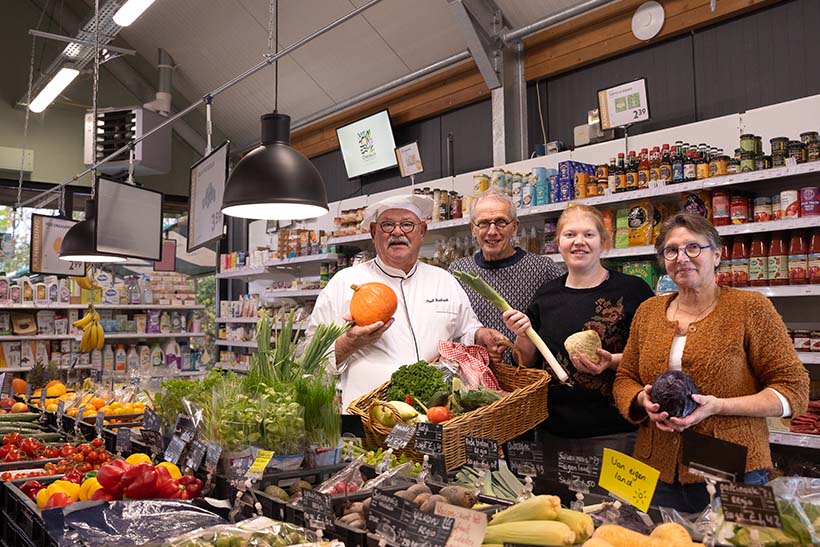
column 133, row 522
column 258, row 532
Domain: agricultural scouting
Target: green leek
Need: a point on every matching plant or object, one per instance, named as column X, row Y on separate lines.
column 481, row 287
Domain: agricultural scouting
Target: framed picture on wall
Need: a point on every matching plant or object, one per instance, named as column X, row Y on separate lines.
column 207, row 186
column 47, row 235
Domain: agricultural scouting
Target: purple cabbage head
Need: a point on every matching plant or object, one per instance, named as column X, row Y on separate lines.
column 673, row 391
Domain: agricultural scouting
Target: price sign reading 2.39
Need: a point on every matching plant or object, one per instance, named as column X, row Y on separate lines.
column 623, row 104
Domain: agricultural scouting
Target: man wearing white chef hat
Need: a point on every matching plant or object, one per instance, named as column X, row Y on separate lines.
column 432, row 306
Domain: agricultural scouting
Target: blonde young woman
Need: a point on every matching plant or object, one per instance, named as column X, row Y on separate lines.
column 734, row 346
column 582, row 419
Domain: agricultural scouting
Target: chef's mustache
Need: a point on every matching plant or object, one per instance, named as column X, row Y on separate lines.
column 398, row 239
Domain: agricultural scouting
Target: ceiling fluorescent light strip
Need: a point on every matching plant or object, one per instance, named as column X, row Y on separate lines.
column 129, row 12
column 56, row 86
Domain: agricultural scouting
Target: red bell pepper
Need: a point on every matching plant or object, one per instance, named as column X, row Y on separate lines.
column 140, row 482
column 74, row 476
column 30, row 488
column 101, row 494
column 167, row 487
column 111, row 477
column 57, row 499
column 192, row 486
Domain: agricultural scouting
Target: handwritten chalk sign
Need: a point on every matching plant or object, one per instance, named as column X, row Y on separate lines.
column 578, row 471
column 400, row 436
column 525, row 458
column 468, row 526
column 627, row 478
column 318, row 509
column 479, row 452
column 429, row 438
column 749, row 504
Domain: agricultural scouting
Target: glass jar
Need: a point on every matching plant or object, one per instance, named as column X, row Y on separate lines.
column 748, row 143
column 747, row 161
column 797, row 151
column 808, row 137
column 779, row 145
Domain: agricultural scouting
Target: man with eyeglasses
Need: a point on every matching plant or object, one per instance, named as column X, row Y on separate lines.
column 513, row 272
column 432, row 306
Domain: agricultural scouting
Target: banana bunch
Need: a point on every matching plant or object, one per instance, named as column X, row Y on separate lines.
column 86, row 281
column 93, row 333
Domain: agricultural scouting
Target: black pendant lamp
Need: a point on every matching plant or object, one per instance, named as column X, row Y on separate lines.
column 80, row 242
column 274, row 181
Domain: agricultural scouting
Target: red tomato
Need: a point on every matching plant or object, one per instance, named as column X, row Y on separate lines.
column 438, row 414
column 57, row 499
column 98, row 442
column 66, row 450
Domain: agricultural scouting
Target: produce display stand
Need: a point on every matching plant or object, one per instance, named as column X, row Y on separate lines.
column 24, row 521
column 522, row 409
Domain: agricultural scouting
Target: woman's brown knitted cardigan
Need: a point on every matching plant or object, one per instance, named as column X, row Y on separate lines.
column 738, row 349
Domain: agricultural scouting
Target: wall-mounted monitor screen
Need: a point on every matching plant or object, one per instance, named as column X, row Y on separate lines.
column 368, row 145
column 129, row 220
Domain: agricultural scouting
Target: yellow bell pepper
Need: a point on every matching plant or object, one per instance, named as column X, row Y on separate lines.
column 42, row 498
column 88, row 488
column 173, row 470
column 138, row 458
column 70, row 489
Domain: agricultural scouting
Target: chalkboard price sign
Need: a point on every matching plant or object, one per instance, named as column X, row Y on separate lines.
column 525, row 458
column 749, row 504
column 479, row 452
column 318, row 509
column 579, row 472
column 429, row 438
column 400, row 436
column 123, row 440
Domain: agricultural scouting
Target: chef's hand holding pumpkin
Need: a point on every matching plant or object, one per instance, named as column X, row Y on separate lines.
column 367, row 334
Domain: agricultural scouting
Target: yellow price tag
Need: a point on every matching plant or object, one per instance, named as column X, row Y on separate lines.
column 261, row 462
column 628, row 479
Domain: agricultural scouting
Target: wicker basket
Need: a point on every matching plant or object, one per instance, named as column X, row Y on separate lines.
column 505, row 419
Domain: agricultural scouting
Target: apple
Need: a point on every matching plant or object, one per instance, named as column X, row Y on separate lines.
column 7, row 403
column 19, row 407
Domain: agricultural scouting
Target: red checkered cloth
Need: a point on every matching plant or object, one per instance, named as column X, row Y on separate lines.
column 473, row 361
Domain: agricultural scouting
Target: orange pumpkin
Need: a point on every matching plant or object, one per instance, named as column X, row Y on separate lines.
column 372, row 302
column 18, row 385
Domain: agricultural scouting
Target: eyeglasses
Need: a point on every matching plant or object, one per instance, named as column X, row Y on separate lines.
column 692, row 250
column 500, row 224
column 406, row 226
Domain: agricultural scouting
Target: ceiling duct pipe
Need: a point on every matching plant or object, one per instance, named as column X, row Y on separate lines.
column 162, row 103
column 541, row 24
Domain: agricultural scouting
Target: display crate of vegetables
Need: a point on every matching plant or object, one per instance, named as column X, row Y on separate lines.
column 485, row 413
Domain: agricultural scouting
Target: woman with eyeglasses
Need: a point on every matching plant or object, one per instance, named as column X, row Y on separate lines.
column 582, row 419
column 734, row 346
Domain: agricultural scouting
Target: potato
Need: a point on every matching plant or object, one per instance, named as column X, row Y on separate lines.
column 584, row 343
column 421, row 498
column 429, row 505
column 419, row 488
column 356, row 507
column 405, row 495
column 458, row 495
column 366, row 507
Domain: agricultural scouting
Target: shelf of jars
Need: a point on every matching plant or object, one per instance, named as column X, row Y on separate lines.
column 236, row 343
column 655, row 190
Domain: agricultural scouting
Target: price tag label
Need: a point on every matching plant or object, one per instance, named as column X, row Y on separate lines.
column 318, row 509
column 185, row 427
column 623, row 105
column 99, row 423
column 196, row 453
column 257, row 468
column 78, row 418
column 580, row 472
column 151, row 421
column 426, row 530
column 627, row 478
column 28, row 393
column 174, row 451
column 389, row 516
column 429, row 438
column 153, row 439
column 212, row 457
column 123, row 444
column 749, row 504
column 4, row 387
column 60, row 414
column 43, row 399
column 525, row 458
column 479, row 452
column 468, row 526
column 400, row 436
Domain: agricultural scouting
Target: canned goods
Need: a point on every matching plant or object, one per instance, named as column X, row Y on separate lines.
column 779, row 159
column 498, row 180
column 810, row 201
column 790, row 203
column 808, row 136
column 592, row 187
column 748, row 143
column 779, row 145
column 603, row 185
column 721, row 208
column 739, row 209
column 813, row 151
column 528, row 198
column 802, row 340
column 777, row 212
column 815, row 340
column 580, row 186
column 762, row 209
column 760, row 162
column 517, row 194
